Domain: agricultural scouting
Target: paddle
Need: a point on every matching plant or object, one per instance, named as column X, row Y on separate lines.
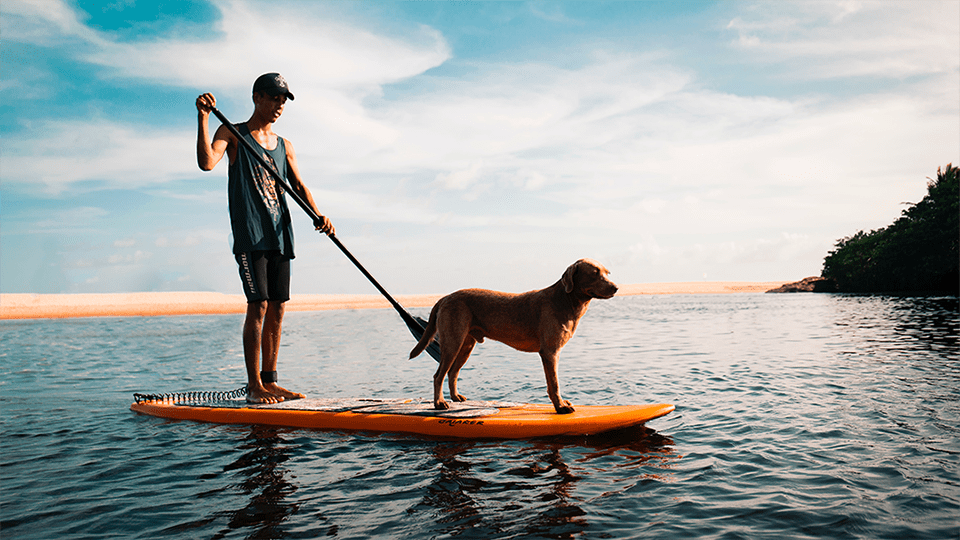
column 415, row 324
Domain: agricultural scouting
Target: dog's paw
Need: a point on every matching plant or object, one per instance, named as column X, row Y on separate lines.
column 459, row 397
column 441, row 405
column 565, row 407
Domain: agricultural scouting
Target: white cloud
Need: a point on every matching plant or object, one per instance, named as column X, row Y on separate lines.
column 188, row 239
column 848, row 39
column 323, row 52
column 59, row 153
column 500, row 112
column 49, row 24
column 67, row 221
column 460, row 179
column 136, row 257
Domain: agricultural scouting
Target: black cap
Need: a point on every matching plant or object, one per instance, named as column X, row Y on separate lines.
column 272, row 84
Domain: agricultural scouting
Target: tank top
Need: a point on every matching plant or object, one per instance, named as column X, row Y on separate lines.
column 259, row 216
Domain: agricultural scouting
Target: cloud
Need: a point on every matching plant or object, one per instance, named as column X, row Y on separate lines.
column 460, row 179
column 509, row 114
column 57, row 154
column 48, row 24
column 828, row 40
column 722, row 260
column 550, row 12
column 323, row 52
column 332, row 66
column 65, row 221
column 136, row 257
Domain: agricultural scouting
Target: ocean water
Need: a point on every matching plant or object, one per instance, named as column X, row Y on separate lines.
column 798, row 416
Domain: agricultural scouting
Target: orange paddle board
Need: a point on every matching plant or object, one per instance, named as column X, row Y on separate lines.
column 467, row 420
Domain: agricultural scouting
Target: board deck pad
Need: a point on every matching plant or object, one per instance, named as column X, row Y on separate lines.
column 419, row 407
column 468, row 419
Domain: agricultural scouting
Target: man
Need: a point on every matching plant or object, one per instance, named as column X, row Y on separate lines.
column 260, row 220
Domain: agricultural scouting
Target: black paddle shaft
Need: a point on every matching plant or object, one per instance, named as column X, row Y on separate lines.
column 415, row 324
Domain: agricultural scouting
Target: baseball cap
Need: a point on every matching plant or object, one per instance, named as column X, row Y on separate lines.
column 272, row 84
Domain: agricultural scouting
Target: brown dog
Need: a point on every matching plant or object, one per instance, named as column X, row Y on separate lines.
column 540, row 321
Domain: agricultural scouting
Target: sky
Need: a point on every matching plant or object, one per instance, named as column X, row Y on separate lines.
column 472, row 144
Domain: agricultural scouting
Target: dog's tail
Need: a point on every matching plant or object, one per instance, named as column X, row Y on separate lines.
column 428, row 333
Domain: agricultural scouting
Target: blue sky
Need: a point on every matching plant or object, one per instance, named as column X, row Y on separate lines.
column 472, row 144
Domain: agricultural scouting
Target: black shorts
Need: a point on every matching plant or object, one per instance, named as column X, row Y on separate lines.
column 265, row 275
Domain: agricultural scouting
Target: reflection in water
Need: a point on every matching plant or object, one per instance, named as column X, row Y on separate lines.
column 562, row 518
column 539, row 491
column 452, row 491
column 910, row 347
column 265, row 482
column 931, row 321
column 901, row 325
column 639, row 446
column 481, row 489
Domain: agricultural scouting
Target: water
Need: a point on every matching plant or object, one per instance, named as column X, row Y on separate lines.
column 798, row 416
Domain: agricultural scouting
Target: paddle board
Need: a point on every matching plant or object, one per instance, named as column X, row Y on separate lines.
column 467, row 420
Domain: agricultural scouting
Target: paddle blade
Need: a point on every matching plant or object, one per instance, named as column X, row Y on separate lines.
column 417, row 325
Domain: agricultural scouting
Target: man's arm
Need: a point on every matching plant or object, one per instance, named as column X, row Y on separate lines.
column 210, row 153
column 296, row 183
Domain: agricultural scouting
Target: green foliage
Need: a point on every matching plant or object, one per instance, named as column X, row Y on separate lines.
column 920, row 251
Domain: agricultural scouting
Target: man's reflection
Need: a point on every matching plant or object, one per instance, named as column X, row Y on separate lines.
column 265, row 482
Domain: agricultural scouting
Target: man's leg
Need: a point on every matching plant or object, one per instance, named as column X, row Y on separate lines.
column 272, row 329
column 252, row 343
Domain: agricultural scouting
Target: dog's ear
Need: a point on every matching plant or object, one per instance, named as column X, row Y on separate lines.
column 567, row 278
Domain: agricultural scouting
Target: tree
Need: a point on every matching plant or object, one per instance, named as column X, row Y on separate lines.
column 920, row 251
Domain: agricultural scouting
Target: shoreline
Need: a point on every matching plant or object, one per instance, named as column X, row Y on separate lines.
column 16, row 306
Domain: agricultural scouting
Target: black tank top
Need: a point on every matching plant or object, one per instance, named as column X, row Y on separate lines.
column 259, row 216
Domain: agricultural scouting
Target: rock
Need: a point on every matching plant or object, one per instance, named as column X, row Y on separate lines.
column 810, row 284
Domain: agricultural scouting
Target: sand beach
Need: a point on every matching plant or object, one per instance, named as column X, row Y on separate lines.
column 149, row 304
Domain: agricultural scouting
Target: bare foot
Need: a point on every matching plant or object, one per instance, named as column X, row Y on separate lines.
column 261, row 396
column 282, row 392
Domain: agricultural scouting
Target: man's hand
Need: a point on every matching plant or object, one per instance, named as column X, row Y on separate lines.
column 209, row 153
column 206, row 103
column 324, row 225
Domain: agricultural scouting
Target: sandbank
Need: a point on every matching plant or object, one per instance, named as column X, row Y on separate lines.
column 59, row 306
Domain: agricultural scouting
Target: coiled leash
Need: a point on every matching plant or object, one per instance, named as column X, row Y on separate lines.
column 185, row 397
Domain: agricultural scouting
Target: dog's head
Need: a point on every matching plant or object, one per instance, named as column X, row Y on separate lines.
column 590, row 277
